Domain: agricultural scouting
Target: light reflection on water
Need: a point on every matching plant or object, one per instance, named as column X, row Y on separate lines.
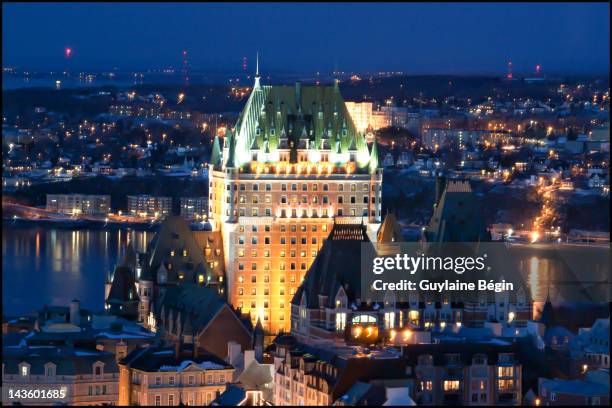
column 52, row 266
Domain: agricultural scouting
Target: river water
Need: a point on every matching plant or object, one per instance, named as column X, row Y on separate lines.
column 46, row 265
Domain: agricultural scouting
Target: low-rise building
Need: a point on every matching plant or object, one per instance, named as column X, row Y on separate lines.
column 48, row 375
column 172, row 376
column 77, row 204
column 146, row 206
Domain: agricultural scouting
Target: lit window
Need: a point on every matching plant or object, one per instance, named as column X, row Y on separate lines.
column 451, row 385
column 340, row 321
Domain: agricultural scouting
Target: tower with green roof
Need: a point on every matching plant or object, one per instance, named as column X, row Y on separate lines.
column 292, row 166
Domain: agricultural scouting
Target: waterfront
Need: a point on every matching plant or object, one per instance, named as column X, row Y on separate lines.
column 45, row 266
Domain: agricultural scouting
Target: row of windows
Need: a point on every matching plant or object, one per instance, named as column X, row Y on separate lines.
column 304, row 199
column 191, row 380
column 253, row 304
column 172, row 400
column 266, row 279
column 302, row 187
column 266, row 292
column 304, row 213
column 282, row 240
column 266, row 254
column 283, row 228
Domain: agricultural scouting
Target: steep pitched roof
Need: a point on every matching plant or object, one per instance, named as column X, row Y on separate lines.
column 298, row 117
column 338, row 264
column 123, row 288
column 457, row 216
column 175, row 245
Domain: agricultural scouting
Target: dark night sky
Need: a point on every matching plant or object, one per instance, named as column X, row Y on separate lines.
column 415, row 38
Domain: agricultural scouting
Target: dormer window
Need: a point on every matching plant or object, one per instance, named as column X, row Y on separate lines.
column 172, row 253
column 50, row 370
column 98, row 369
column 24, row 369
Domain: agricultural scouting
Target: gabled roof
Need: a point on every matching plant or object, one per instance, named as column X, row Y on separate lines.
column 338, row 264
column 195, row 305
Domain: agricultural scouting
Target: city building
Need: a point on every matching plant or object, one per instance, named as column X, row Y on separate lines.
column 177, row 289
column 171, row 376
column 594, row 389
column 146, row 206
column 194, row 208
column 309, row 375
column 590, row 349
column 434, row 138
column 197, row 315
column 456, row 373
column 328, row 307
column 69, row 375
column 293, row 164
column 80, row 328
column 79, row 204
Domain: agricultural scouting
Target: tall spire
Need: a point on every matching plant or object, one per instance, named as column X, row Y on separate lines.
column 257, row 85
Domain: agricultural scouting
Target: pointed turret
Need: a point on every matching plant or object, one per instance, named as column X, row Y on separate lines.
column 258, row 340
column 548, row 316
column 231, row 155
column 215, row 155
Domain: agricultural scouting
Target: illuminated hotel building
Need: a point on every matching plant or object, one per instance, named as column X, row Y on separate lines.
column 294, row 164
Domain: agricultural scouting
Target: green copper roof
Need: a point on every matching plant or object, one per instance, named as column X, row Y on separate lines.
column 297, row 117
